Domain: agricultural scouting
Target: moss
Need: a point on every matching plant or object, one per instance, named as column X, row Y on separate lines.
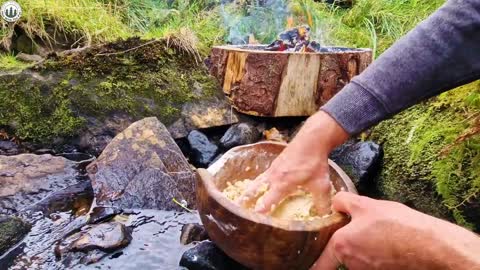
column 153, row 80
column 419, row 171
column 12, row 230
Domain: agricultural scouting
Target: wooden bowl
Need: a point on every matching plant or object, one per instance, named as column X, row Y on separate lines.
column 254, row 240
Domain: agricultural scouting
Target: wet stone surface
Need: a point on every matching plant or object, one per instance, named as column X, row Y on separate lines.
column 203, row 150
column 94, row 240
column 27, row 179
column 207, row 256
column 12, row 230
column 240, row 134
column 9, row 148
column 148, row 167
column 155, row 243
column 101, row 214
column 361, row 161
column 193, row 233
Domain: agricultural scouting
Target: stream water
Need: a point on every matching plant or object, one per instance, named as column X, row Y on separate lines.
column 155, row 243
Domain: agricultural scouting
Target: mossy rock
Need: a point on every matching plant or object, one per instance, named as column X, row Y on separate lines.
column 52, row 103
column 426, row 166
column 12, row 230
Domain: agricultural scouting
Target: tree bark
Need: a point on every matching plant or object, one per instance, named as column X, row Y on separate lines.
column 275, row 84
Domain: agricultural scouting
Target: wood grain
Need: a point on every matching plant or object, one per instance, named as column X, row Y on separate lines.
column 275, row 84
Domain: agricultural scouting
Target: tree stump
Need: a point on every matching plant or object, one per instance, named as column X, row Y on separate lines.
column 265, row 83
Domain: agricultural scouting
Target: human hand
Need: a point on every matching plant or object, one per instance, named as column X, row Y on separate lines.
column 389, row 235
column 303, row 163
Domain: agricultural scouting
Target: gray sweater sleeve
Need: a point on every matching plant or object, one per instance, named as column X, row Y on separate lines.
column 441, row 53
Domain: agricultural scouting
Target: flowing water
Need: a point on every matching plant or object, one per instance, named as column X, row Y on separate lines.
column 155, row 243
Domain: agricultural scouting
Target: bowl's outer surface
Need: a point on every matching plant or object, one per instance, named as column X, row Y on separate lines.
column 257, row 241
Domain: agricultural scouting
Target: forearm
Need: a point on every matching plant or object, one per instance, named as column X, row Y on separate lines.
column 322, row 133
column 439, row 54
column 444, row 246
column 458, row 248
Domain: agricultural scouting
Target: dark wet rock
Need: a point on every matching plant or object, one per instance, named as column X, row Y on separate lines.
column 203, row 114
column 142, row 168
column 27, row 179
column 93, row 243
column 240, row 134
column 193, row 233
column 155, row 243
column 361, row 161
column 106, row 237
column 203, row 151
column 100, row 132
column 9, row 148
column 101, row 214
column 30, row 58
column 12, row 230
column 76, row 198
column 207, row 256
column 44, row 151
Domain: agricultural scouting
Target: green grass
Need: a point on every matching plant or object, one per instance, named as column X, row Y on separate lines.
column 374, row 24
column 8, row 62
column 370, row 23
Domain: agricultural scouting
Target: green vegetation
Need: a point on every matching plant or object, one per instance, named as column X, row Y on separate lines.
column 432, row 149
column 368, row 24
column 8, row 62
column 155, row 79
column 86, row 22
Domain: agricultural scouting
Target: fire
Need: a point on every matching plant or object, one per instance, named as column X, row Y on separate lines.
column 290, row 22
column 295, row 39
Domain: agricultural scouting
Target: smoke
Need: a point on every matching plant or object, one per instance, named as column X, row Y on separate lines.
column 263, row 19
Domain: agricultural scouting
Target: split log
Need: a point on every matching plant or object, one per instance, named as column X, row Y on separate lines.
column 275, row 84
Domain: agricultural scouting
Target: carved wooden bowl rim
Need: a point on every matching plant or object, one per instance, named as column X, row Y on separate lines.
column 288, row 225
column 243, row 48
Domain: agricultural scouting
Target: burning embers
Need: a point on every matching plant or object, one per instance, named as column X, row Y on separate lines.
column 295, row 40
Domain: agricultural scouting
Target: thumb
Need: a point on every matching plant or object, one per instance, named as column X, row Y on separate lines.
column 328, row 260
column 348, row 203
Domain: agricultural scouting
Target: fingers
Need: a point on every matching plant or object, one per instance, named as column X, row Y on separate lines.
column 328, row 260
column 349, row 203
column 269, row 200
column 321, row 190
column 254, row 190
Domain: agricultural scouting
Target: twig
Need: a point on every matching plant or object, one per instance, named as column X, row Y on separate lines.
column 131, row 49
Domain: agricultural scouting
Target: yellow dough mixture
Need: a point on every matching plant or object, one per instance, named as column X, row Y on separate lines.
column 298, row 206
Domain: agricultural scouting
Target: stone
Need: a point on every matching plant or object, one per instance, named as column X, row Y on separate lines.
column 12, row 230
column 240, row 134
column 100, row 214
column 207, row 256
column 142, row 168
column 207, row 113
column 9, row 148
column 100, row 132
column 106, row 237
column 203, row 151
column 30, row 58
column 27, row 179
column 275, row 135
column 76, row 198
column 361, row 161
column 193, row 232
